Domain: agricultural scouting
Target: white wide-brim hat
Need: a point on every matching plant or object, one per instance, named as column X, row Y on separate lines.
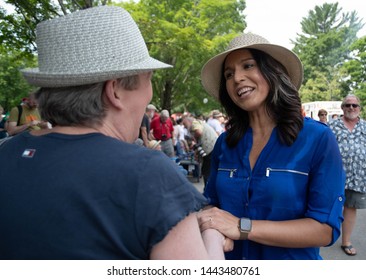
column 211, row 71
column 89, row 46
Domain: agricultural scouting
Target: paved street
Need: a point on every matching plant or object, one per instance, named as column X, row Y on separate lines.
column 334, row 252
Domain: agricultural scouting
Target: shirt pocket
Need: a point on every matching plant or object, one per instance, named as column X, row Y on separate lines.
column 286, row 188
column 224, row 171
column 231, row 186
column 270, row 170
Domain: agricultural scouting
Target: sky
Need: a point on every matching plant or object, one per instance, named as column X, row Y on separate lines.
column 279, row 20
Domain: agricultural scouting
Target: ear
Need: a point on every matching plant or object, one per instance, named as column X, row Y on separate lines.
column 112, row 92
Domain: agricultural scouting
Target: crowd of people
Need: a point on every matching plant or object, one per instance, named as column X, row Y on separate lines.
column 182, row 136
column 277, row 185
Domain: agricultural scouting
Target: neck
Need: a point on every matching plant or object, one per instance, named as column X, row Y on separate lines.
column 350, row 123
column 261, row 123
column 72, row 130
column 348, row 120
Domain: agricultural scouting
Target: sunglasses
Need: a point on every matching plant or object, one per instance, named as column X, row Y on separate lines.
column 349, row 105
column 322, row 114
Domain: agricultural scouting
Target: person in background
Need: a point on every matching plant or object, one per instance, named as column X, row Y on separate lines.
column 144, row 135
column 179, row 141
column 323, row 115
column 215, row 121
column 350, row 131
column 334, row 116
column 83, row 189
column 152, row 112
column 276, row 184
column 204, row 138
column 29, row 118
column 162, row 129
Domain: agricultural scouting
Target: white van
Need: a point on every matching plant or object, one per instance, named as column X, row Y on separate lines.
column 332, row 107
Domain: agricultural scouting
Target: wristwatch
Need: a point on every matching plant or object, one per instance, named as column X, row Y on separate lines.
column 245, row 226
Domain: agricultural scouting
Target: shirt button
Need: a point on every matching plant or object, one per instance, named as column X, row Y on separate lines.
column 340, row 198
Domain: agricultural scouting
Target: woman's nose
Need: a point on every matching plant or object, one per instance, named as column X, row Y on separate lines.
column 239, row 76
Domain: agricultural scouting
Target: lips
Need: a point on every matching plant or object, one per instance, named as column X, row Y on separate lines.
column 244, row 90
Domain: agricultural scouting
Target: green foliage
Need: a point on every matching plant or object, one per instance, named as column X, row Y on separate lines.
column 18, row 29
column 354, row 71
column 323, row 47
column 13, row 87
column 185, row 34
column 17, row 38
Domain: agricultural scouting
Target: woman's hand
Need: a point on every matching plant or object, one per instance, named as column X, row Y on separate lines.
column 220, row 220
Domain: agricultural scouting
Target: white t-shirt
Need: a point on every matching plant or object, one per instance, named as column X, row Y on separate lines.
column 216, row 125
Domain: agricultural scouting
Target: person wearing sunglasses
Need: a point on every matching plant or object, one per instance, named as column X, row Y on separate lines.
column 322, row 114
column 350, row 131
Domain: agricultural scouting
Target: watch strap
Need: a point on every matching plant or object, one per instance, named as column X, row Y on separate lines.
column 244, row 230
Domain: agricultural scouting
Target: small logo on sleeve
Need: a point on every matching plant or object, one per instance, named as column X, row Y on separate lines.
column 29, row 153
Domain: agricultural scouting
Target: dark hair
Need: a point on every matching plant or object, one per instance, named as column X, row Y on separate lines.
column 283, row 102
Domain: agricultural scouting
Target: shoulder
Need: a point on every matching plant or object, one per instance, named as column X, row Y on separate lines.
column 220, row 141
column 155, row 120
column 145, row 117
column 313, row 131
column 14, row 110
column 363, row 123
column 313, row 125
column 334, row 122
column 196, row 124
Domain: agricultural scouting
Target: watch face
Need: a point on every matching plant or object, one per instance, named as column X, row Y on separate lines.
column 245, row 224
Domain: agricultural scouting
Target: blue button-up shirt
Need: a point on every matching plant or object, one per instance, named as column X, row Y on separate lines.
column 304, row 180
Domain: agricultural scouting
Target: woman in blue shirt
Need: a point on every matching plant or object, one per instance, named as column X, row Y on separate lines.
column 277, row 183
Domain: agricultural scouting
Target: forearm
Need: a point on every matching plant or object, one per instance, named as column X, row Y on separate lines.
column 299, row 233
column 12, row 130
column 144, row 137
column 214, row 242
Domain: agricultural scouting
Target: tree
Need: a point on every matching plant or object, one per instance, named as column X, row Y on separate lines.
column 354, row 71
column 17, row 38
column 324, row 46
column 17, row 30
column 185, row 33
column 13, row 86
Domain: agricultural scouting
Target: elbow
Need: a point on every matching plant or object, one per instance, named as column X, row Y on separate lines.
column 11, row 132
column 325, row 237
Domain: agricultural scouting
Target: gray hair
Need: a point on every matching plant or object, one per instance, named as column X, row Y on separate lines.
column 78, row 105
column 350, row 95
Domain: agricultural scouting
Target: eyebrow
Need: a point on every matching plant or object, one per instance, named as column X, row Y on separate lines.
column 241, row 61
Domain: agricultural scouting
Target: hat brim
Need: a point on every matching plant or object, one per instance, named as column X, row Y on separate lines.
column 211, row 71
column 155, row 144
column 42, row 79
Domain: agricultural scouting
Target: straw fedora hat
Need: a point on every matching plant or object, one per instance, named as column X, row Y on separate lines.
column 153, row 144
column 89, row 46
column 211, row 71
